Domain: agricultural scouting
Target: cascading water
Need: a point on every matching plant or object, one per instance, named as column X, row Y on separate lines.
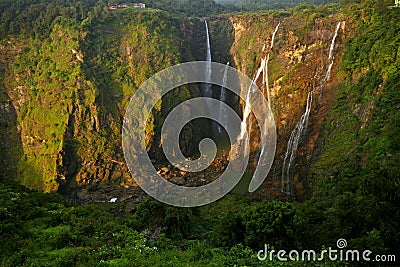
column 266, row 83
column 223, row 98
column 247, row 109
column 290, row 154
column 265, row 78
column 207, row 88
column 274, row 35
column 331, row 57
column 293, row 144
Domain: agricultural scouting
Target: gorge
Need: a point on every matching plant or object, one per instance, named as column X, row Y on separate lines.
column 291, row 50
column 68, row 69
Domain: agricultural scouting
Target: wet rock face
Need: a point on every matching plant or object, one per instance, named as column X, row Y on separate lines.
column 90, row 150
column 298, row 63
column 10, row 141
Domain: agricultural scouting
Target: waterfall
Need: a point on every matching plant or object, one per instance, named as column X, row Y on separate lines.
column 265, row 77
column 247, row 109
column 331, row 57
column 207, row 88
column 208, row 50
column 293, row 144
column 223, row 98
column 291, row 150
column 332, row 47
column 266, row 81
column 273, row 35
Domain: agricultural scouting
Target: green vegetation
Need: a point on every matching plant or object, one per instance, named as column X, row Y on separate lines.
column 252, row 5
column 79, row 63
column 78, row 79
column 358, row 168
column 40, row 229
column 35, row 18
column 44, row 119
column 191, row 8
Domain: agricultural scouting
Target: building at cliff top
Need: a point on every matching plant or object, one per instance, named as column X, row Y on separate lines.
column 121, row 6
column 141, row 5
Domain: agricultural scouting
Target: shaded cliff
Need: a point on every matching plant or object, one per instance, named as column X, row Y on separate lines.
column 76, row 96
column 70, row 91
column 298, row 63
column 10, row 141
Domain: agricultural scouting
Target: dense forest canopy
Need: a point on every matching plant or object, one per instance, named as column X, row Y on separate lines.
column 35, row 17
column 274, row 2
column 269, row 4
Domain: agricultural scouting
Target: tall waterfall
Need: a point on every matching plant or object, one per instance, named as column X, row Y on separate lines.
column 247, row 107
column 207, row 90
column 331, row 57
column 266, row 81
column 273, row 35
column 297, row 132
column 222, row 116
column 265, row 77
column 262, row 69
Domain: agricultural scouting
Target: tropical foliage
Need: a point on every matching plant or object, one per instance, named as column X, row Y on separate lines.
column 79, row 50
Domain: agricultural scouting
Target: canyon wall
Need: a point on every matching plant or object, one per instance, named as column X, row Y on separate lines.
column 298, row 63
column 65, row 96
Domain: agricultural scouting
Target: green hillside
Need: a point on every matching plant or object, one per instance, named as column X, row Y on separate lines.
column 68, row 70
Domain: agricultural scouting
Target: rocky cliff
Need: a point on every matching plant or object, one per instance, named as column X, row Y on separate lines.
column 70, row 91
column 64, row 95
column 298, row 63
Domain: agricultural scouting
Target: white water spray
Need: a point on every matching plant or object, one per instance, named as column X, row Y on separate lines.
column 301, row 125
column 247, row 109
column 223, row 98
column 331, row 57
column 207, row 90
column 273, row 35
column 266, row 78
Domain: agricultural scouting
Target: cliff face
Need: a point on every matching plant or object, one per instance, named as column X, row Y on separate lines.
column 10, row 141
column 344, row 136
column 70, row 91
column 64, row 96
column 298, row 63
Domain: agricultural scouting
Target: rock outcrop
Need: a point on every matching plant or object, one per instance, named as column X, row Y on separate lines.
column 64, row 98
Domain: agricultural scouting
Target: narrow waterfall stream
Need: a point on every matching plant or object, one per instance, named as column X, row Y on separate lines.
column 290, row 154
column 266, row 84
column 206, row 90
column 223, row 98
column 246, row 123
